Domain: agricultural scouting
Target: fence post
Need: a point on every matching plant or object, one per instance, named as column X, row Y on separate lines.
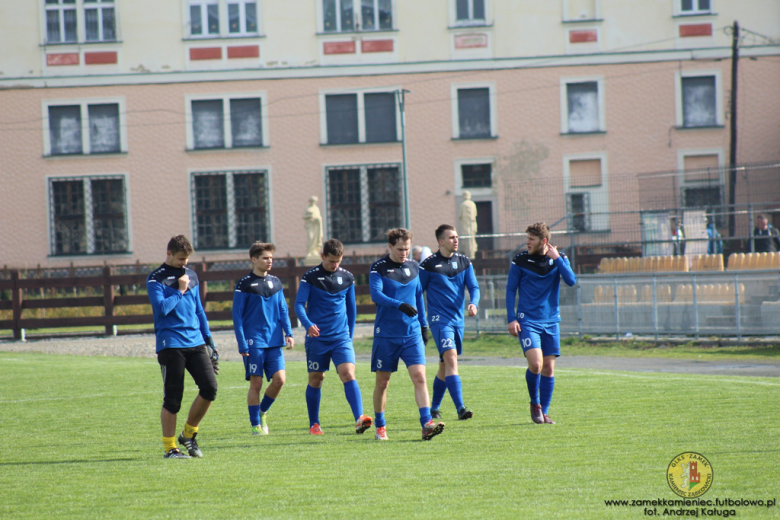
column 108, row 299
column 752, row 247
column 293, row 282
column 695, row 310
column 736, row 307
column 655, row 311
column 617, row 315
column 203, row 286
column 16, row 298
column 579, row 309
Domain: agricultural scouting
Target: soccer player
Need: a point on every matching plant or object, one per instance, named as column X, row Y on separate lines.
column 444, row 276
column 262, row 325
column 326, row 306
column 400, row 330
column 536, row 273
column 183, row 343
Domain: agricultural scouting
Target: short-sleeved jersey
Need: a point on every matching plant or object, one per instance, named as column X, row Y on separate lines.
column 445, row 280
column 179, row 319
column 391, row 285
column 327, row 299
column 538, row 279
column 260, row 315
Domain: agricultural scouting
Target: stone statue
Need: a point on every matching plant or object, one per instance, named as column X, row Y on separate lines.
column 467, row 216
column 312, row 221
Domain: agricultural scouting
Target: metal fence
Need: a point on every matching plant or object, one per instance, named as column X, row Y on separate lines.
column 725, row 304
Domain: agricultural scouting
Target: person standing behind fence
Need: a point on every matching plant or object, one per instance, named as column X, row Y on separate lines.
column 183, row 342
column 714, row 244
column 445, row 276
column 770, row 237
column 536, row 274
column 261, row 322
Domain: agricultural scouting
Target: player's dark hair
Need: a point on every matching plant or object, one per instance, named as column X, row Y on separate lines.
column 180, row 244
column 761, row 216
column 539, row 230
column 333, row 247
column 441, row 229
column 394, row 235
column 259, row 248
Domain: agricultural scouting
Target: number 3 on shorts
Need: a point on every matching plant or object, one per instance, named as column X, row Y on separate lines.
column 379, row 363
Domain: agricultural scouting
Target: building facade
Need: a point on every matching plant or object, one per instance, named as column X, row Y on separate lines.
column 124, row 122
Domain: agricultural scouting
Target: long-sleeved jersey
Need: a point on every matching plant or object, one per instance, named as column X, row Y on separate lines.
column 260, row 315
column 445, row 281
column 538, row 278
column 391, row 285
column 179, row 319
column 327, row 299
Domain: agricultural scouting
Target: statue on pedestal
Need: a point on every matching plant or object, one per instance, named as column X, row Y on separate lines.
column 312, row 221
column 467, row 217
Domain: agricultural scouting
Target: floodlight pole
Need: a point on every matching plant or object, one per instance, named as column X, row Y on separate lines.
column 399, row 94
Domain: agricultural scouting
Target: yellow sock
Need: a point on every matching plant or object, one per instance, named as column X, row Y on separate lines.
column 190, row 431
column 169, row 443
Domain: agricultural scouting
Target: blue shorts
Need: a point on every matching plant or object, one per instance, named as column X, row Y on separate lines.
column 319, row 352
column 387, row 351
column 268, row 360
column 448, row 337
column 546, row 336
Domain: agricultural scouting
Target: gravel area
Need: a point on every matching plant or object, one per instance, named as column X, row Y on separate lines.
column 142, row 345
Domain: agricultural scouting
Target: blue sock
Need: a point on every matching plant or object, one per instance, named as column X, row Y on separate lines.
column 425, row 415
column 532, row 380
column 313, row 404
column 439, row 388
column 354, row 398
column 546, row 387
column 380, row 419
column 266, row 403
column 254, row 414
column 456, row 390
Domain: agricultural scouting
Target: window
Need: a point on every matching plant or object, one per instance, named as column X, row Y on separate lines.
column 361, row 117
column 695, row 6
column 363, row 202
column 470, row 11
column 338, row 15
column 376, row 15
column 586, row 190
column 61, row 21
column 698, row 101
column 476, row 175
column 227, row 122
column 242, row 17
column 582, row 105
column 204, row 17
column 230, row 209
column 84, row 128
column 474, row 117
column 88, row 216
column 578, row 211
column 579, row 10
column 584, row 172
column 99, row 20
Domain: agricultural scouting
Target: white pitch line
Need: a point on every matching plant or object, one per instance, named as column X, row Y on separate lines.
column 727, row 379
column 91, row 396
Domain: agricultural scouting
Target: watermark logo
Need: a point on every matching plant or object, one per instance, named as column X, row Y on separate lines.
column 689, row 474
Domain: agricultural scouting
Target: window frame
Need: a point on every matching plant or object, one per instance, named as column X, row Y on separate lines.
column 365, row 216
column 84, row 103
column 564, row 99
column 230, row 203
column 719, row 101
column 598, row 196
column 596, row 15
column 88, row 213
column 471, row 22
column 81, row 26
column 691, row 152
column 455, row 113
column 361, row 111
column 458, row 176
column 226, row 120
column 678, row 8
column 224, row 19
column 357, row 14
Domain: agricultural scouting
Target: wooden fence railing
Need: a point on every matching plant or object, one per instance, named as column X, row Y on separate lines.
column 290, row 275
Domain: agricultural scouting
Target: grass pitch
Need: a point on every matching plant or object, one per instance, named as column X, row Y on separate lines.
column 80, row 438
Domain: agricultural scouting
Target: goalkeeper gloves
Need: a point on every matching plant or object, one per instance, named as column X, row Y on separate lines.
column 424, row 331
column 408, row 310
column 213, row 353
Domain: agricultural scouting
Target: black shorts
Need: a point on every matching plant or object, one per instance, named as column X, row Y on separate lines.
column 174, row 361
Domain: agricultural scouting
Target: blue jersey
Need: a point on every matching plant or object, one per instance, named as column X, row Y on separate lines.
column 327, row 299
column 179, row 319
column 391, row 285
column 538, row 278
column 260, row 315
column 445, row 281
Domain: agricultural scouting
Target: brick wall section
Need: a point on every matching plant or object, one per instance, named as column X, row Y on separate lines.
column 206, row 53
column 376, row 46
column 100, row 58
column 56, row 60
column 338, row 47
column 583, row 36
column 693, row 30
column 244, row 51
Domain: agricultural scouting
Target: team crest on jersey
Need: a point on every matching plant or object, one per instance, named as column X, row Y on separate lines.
column 454, row 264
column 407, row 271
column 340, row 280
column 270, row 284
column 550, row 261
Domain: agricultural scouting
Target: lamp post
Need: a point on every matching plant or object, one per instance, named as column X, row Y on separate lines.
column 399, row 94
